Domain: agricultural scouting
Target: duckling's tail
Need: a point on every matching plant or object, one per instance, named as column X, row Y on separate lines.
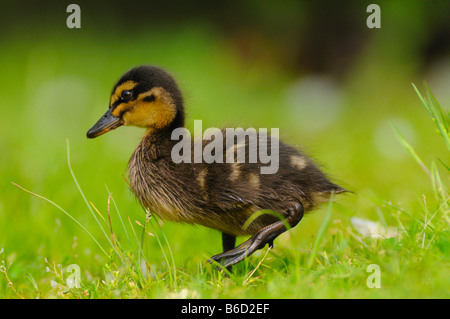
column 339, row 190
column 323, row 195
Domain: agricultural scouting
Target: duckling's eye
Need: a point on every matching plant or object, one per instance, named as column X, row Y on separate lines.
column 126, row 95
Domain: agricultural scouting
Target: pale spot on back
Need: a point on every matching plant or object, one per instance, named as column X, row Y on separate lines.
column 201, row 178
column 298, row 162
column 235, row 171
column 253, row 180
column 233, row 149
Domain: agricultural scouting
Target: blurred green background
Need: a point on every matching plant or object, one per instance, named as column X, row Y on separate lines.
column 313, row 69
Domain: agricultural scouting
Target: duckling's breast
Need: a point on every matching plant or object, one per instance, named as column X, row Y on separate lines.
column 157, row 188
column 190, row 193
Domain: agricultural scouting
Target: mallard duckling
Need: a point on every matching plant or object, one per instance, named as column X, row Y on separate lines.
column 222, row 196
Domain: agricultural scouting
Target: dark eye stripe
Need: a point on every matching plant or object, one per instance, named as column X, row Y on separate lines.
column 116, row 103
column 138, row 89
column 149, row 98
column 124, row 110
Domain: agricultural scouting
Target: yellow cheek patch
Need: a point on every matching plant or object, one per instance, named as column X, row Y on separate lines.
column 155, row 114
column 125, row 86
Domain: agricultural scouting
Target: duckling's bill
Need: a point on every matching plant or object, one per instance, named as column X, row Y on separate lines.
column 106, row 123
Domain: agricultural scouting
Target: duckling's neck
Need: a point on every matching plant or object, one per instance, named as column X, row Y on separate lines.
column 158, row 143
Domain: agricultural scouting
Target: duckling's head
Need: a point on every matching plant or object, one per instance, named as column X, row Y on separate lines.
column 145, row 96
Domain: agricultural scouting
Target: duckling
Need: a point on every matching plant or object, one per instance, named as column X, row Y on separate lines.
column 222, row 196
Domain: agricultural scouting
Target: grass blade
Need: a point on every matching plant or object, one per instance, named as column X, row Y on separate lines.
column 65, row 213
column 172, row 277
column 87, row 202
column 120, row 217
column 436, row 113
column 410, row 150
column 320, row 234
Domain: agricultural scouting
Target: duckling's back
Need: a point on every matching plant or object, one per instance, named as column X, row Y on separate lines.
column 224, row 195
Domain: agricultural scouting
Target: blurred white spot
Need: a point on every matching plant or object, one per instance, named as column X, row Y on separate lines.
column 314, row 101
column 184, row 294
column 438, row 79
column 386, row 141
column 109, row 277
column 369, row 228
column 70, row 282
column 59, row 103
column 64, row 91
column 144, row 269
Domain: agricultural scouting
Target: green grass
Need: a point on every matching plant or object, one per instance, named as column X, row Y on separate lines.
column 83, row 213
column 337, row 260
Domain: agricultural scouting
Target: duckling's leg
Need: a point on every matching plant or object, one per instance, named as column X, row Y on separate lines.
column 228, row 242
column 265, row 236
